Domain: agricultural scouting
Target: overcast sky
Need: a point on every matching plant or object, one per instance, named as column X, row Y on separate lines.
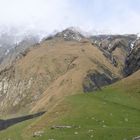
column 115, row 16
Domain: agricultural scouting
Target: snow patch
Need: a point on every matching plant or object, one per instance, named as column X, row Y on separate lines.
column 132, row 45
column 7, row 52
column 138, row 35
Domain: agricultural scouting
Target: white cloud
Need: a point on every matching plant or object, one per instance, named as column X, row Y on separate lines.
column 48, row 15
column 33, row 14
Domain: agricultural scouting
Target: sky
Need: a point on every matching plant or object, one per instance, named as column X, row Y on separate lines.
column 46, row 16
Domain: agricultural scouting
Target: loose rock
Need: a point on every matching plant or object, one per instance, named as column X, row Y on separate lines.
column 136, row 138
column 38, row 134
column 59, row 127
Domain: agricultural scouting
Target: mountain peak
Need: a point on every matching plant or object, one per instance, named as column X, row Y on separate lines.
column 71, row 33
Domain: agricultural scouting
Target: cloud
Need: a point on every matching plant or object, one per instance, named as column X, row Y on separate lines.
column 33, row 14
column 48, row 15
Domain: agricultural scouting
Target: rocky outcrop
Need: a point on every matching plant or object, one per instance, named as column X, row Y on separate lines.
column 95, row 80
column 70, row 34
column 115, row 47
column 133, row 60
column 9, row 53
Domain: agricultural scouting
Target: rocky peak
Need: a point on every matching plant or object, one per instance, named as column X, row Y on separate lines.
column 109, row 41
column 71, row 34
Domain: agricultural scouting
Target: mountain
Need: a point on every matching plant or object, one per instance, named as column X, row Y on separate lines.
column 34, row 76
column 47, row 71
column 81, row 81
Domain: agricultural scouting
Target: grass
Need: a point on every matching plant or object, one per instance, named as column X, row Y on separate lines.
column 111, row 114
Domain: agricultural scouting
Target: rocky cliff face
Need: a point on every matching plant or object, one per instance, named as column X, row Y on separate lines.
column 115, row 47
column 11, row 50
column 133, row 60
column 95, row 80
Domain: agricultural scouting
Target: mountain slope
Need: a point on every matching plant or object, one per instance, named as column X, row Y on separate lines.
column 51, row 70
column 115, row 47
column 12, row 47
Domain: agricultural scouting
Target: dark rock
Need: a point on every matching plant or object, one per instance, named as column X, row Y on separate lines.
column 132, row 63
column 38, row 133
column 94, row 81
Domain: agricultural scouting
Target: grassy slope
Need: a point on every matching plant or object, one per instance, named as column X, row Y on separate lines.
column 111, row 114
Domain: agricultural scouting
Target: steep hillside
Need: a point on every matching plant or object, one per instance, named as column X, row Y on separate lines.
column 53, row 69
column 10, row 50
column 133, row 60
column 115, row 47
